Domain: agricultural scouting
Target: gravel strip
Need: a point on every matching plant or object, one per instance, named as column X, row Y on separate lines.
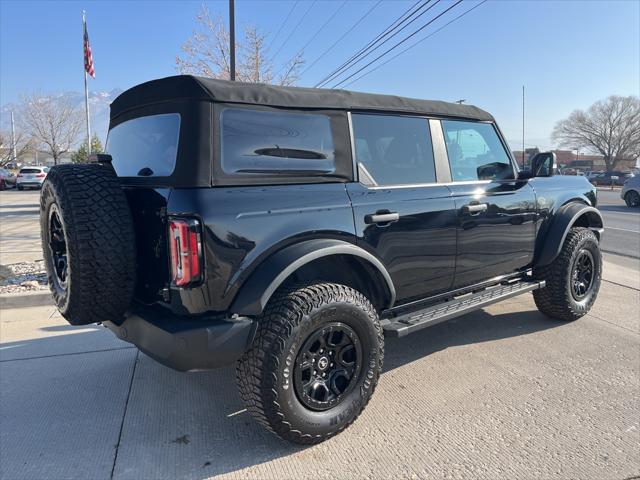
column 23, row 277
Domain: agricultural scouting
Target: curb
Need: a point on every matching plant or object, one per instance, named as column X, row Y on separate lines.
column 25, row 299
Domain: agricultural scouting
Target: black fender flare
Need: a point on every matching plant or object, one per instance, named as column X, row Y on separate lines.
column 255, row 293
column 563, row 220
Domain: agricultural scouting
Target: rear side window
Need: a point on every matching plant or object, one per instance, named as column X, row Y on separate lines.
column 276, row 143
column 475, row 152
column 393, row 150
column 145, row 146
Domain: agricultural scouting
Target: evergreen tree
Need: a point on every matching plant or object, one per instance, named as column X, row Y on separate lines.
column 82, row 155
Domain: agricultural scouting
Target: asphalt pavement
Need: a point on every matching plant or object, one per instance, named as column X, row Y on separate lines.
column 622, row 225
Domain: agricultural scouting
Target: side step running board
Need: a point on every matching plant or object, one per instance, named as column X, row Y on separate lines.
column 440, row 312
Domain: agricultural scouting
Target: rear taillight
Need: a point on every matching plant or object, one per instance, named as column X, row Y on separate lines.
column 41, row 175
column 19, row 175
column 186, row 251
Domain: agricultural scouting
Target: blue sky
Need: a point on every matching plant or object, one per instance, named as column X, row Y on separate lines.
column 568, row 54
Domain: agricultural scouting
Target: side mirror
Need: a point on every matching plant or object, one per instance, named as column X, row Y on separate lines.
column 544, row 165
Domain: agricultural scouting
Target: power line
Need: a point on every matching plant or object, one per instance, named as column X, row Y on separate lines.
column 344, row 2
column 342, row 36
column 416, row 43
column 397, row 32
column 295, row 4
column 397, row 44
column 401, row 19
column 324, row 25
column 295, row 28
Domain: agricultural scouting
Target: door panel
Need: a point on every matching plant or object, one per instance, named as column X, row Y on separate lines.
column 496, row 229
column 418, row 248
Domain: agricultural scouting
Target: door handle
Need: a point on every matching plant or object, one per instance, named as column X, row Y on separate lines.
column 381, row 218
column 475, row 208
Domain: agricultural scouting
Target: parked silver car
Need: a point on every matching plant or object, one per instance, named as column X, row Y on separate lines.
column 630, row 192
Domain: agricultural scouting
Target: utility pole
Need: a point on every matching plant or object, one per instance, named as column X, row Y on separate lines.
column 522, row 126
column 13, row 139
column 232, row 41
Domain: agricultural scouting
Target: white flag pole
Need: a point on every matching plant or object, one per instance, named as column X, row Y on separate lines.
column 86, row 89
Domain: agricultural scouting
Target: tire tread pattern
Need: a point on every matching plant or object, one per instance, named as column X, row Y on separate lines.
column 100, row 242
column 555, row 300
column 255, row 371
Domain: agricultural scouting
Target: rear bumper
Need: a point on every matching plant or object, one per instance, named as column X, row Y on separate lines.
column 29, row 184
column 186, row 343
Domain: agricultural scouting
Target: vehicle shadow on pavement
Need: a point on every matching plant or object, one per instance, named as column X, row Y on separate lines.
column 18, row 213
column 194, row 425
column 477, row 327
column 616, row 208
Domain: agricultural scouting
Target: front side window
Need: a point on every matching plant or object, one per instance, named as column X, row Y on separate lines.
column 145, row 146
column 475, row 152
column 276, row 143
column 393, row 150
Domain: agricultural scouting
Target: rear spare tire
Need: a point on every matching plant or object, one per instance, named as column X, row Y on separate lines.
column 88, row 243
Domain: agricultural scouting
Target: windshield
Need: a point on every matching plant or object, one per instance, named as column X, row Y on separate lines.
column 145, row 146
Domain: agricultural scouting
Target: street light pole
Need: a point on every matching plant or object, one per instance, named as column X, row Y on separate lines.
column 232, row 41
column 13, row 139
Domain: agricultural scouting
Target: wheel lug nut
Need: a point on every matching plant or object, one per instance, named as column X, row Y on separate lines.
column 315, row 373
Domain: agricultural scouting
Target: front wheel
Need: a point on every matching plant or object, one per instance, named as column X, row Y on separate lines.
column 314, row 363
column 632, row 198
column 573, row 279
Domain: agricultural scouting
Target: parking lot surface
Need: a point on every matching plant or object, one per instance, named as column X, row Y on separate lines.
column 504, row 393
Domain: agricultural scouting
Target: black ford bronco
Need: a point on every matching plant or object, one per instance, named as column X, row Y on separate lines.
column 288, row 229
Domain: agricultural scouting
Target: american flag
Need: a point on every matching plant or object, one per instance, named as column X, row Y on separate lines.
column 88, row 58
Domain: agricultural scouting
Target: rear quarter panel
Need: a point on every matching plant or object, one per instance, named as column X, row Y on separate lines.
column 243, row 225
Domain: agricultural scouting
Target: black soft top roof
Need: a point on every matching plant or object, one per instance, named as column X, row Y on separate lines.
column 200, row 88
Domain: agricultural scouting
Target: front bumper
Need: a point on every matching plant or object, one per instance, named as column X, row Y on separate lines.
column 186, row 343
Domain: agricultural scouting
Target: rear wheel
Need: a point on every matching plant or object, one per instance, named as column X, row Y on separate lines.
column 632, row 198
column 20, row 187
column 573, row 279
column 88, row 243
column 314, row 363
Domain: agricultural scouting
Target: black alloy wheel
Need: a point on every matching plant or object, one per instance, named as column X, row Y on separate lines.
column 314, row 362
column 572, row 279
column 328, row 366
column 58, row 247
column 632, row 198
column 582, row 274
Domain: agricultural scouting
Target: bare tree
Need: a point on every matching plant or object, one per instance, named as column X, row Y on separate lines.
column 23, row 144
column 610, row 127
column 206, row 53
column 54, row 123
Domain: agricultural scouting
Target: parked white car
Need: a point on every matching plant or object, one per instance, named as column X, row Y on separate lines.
column 31, row 177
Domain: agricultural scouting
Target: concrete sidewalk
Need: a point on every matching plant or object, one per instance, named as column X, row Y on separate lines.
column 19, row 227
column 503, row 393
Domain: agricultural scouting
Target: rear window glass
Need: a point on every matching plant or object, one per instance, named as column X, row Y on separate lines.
column 32, row 170
column 286, row 143
column 145, row 146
